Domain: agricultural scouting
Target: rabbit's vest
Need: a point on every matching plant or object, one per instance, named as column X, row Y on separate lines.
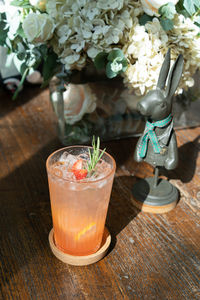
column 156, row 141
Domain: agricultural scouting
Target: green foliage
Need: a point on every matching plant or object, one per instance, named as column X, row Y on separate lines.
column 100, row 60
column 188, row 8
column 3, row 29
column 21, row 3
column 115, row 54
column 49, row 66
column 114, row 62
column 167, row 24
column 167, row 11
column 144, row 19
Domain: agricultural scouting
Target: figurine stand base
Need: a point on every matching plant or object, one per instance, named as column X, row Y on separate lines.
column 81, row 260
column 157, row 200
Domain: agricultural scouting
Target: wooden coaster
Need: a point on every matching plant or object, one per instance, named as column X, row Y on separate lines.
column 81, row 260
column 157, row 200
column 154, row 209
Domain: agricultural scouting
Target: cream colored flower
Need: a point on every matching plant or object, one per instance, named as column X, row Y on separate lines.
column 78, row 100
column 38, row 28
column 151, row 6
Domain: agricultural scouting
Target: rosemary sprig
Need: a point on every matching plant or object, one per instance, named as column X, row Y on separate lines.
column 95, row 155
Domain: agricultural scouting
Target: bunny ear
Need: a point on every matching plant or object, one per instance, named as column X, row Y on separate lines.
column 164, row 71
column 175, row 76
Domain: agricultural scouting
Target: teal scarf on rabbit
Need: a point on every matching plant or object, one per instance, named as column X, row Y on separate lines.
column 149, row 133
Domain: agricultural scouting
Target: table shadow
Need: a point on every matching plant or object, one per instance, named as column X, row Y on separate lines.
column 121, row 210
column 7, row 104
column 25, row 222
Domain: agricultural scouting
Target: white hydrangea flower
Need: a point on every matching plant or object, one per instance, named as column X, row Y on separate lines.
column 86, row 27
column 111, row 4
column 146, row 47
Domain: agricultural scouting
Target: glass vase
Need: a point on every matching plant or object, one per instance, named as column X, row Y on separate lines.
column 103, row 108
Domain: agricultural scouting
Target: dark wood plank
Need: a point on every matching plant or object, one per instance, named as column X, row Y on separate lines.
column 151, row 256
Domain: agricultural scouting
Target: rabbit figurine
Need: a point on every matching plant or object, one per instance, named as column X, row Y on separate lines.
column 157, row 145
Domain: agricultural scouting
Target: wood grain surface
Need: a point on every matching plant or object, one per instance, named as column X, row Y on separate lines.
column 151, row 256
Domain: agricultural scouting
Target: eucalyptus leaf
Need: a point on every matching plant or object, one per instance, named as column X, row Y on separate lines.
column 110, row 74
column 181, row 10
column 125, row 65
column 49, row 67
column 197, row 3
column 144, row 19
column 189, row 6
column 20, row 31
column 115, row 54
column 166, row 24
column 167, row 11
column 100, row 60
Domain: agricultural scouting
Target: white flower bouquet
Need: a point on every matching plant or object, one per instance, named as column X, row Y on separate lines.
column 119, row 37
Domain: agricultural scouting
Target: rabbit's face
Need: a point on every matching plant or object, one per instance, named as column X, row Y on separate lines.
column 154, row 105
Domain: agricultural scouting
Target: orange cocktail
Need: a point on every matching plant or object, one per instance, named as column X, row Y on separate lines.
column 79, row 207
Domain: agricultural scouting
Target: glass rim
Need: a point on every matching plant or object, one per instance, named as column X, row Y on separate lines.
column 80, row 182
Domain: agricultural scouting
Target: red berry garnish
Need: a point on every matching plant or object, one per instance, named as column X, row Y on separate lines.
column 78, row 171
column 80, row 174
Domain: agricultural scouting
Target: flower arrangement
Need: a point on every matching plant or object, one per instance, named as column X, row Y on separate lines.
column 121, row 37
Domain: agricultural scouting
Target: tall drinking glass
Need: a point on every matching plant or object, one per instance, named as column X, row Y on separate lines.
column 79, row 207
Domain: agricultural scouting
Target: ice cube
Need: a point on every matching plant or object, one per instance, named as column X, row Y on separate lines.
column 67, row 159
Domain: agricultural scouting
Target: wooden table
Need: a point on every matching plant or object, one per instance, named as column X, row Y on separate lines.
column 151, row 256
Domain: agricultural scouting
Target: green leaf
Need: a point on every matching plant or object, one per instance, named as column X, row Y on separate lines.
column 189, row 6
column 21, row 3
column 167, row 11
column 2, row 17
column 166, row 24
column 49, row 66
column 109, row 72
column 115, row 54
column 144, row 19
column 197, row 4
column 197, row 21
column 3, row 29
column 125, row 65
column 181, row 10
column 20, row 31
column 43, row 49
column 100, row 60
